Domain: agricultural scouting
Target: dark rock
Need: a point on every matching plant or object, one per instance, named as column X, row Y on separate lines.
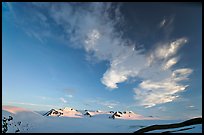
column 17, row 131
column 19, row 123
column 10, row 118
column 120, row 112
column 193, row 121
column 87, row 113
column 55, row 112
column 113, row 117
column 49, row 112
column 116, row 114
column 111, row 111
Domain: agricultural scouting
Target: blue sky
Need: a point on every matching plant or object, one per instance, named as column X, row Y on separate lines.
column 144, row 57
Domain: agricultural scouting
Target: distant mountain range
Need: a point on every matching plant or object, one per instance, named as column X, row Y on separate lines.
column 69, row 120
column 70, row 112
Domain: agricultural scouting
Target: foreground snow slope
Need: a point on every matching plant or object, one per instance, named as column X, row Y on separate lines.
column 22, row 120
column 32, row 122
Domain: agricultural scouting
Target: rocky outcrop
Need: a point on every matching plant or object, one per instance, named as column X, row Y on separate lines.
column 170, row 126
column 88, row 113
column 53, row 112
column 116, row 114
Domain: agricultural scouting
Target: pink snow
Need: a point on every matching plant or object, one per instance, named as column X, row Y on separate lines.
column 14, row 109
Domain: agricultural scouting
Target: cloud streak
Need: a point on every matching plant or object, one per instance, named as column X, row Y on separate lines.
column 106, row 103
column 63, row 100
column 32, row 104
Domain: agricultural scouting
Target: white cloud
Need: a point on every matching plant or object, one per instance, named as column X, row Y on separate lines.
column 181, row 74
column 103, row 102
column 63, row 100
column 150, row 93
column 162, row 108
column 167, row 50
column 110, row 106
column 134, row 64
column 93, row 36
column 163, row 22
column 160, row 84
column 43, row 97
column 170, row 63
column 125, row 65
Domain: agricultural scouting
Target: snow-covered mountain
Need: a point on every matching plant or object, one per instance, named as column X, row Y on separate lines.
column 66, row 112
column 70, row 112
column 130, row 115
column 69, row 120
column 16, row 119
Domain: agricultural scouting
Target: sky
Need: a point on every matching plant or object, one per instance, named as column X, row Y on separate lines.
column 143, row 57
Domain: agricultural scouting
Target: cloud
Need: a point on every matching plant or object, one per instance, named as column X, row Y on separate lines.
column 103, row 102
column 32, row 104
column 98, row 36
column 150, row 93
column 166, row 22
column 181, row 74
column 91, row 40
column 162, row 108
column 163, row 22
column 63, row 100
column 92, row 27
column 160, row 84
column 170, row 63
column 126, row 65
column 44, row 97
column 166, row 25
column 110, row 103
column 131, row 63
column 110, row 106
column 166, row 50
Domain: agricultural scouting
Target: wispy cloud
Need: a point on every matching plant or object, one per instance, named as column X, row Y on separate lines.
column 162, row 23
column 32, row 104
column 103, row 102
column 166, row 50
column 45, row 98
column 63, row 100
column 167, row 26
column 110, row 106
column 170, row 63
column 162, row 108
